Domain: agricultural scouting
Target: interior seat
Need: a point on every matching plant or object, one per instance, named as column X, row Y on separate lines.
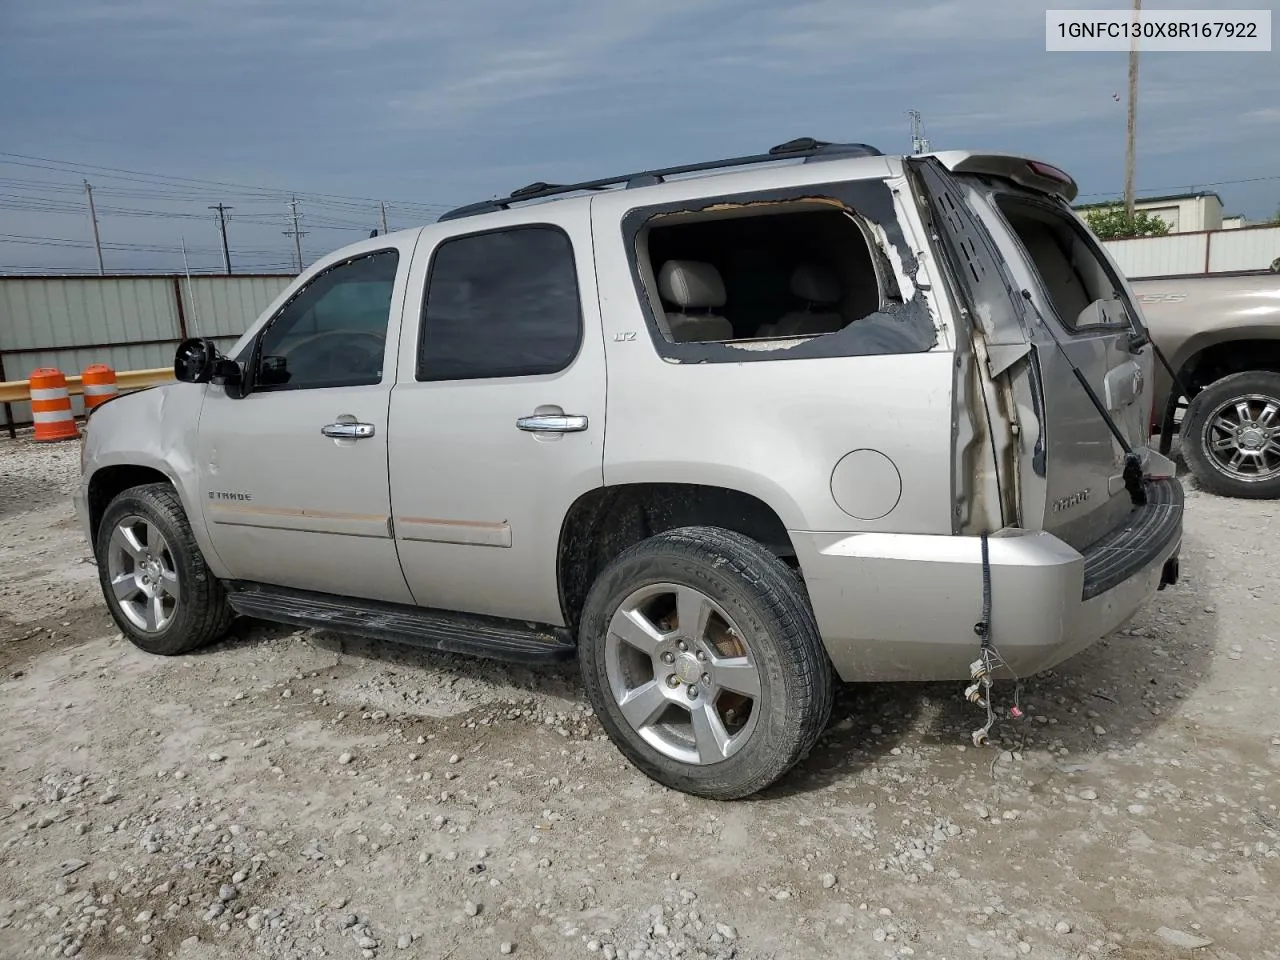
column 697, row 289
column 818, row 288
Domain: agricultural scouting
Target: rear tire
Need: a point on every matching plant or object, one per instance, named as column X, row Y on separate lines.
column 1214, row 433
column 724, row 703
column 154, row 578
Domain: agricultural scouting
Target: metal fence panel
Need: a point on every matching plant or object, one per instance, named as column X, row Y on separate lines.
column 73, row 360
column 129, row 323
column 37, row 314
column 1248, row 249
column 1160, row 256
column 227, row 306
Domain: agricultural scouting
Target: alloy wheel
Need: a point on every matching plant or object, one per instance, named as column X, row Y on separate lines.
column 682, row 674
column 142, row 574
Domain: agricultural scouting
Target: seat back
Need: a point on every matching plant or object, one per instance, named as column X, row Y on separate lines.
column 697, row 289
column 819, row 288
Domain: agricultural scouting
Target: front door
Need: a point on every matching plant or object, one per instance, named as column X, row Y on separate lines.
column 295, row 473
column 498, row 414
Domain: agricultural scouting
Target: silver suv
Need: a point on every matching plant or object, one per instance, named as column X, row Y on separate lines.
column 727, row 433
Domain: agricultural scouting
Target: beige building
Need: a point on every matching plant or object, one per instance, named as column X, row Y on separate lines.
column 1183, row 212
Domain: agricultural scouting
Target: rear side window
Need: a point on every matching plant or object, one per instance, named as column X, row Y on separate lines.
column 501, row 304
column 796, row 272
column 1072, row 273
column 788, row 272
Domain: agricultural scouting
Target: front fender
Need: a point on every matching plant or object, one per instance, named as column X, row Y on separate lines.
column 155, row 429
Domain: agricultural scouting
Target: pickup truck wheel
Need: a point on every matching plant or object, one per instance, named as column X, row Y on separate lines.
column 702, row 659
column 154, row 578
column 1231, row 435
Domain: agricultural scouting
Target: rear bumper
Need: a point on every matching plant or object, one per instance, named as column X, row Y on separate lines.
column 903, row 607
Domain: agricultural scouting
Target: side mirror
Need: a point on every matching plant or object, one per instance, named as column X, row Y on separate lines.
column 195, row 360
column 198, row 361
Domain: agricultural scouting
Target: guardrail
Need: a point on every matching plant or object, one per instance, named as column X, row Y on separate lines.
column 18, row 391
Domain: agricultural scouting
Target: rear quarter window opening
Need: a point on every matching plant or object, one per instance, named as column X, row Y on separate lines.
column 1072, row 273
column 732, row 280
column 745, row 275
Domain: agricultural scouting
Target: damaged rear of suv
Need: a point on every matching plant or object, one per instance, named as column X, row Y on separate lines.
column 726, row 433
column 931, row 372
column 959, row 371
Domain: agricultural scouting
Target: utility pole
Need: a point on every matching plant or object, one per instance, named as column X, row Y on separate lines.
column 222, row 226
column 918, row 143
column 93, row 218
column 383, row 205
column 295, row 232
column 1133, row 117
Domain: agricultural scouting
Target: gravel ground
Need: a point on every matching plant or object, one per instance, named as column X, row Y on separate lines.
column 304, row 794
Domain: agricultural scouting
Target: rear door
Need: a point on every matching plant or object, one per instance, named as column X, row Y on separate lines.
column 498, row 414
column 1071, row 476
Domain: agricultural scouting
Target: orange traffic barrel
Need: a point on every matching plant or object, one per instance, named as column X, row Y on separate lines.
column 51, row 406
column 99, row 383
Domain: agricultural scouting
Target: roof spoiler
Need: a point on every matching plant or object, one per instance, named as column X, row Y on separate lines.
column 1028, row 172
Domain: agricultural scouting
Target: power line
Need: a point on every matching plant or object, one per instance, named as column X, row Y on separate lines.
column 1186, row 186
column 120, row 173
column 33, row 240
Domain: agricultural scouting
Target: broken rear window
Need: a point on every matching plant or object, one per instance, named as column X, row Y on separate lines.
column 800, row 273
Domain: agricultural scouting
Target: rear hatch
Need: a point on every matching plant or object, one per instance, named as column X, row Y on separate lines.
column 1046, row 296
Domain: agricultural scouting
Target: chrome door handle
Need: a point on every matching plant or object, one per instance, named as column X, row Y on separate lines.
column 347, row 431
column 547, row 423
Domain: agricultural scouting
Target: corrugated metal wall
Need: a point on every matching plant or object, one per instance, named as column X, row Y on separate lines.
column 225, row 306
column 129, row 323
column 1244, row 249
column 1217, row 251
column 1159, row 256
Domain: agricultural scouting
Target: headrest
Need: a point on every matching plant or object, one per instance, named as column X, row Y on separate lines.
column 815, row 284
column 689, row 283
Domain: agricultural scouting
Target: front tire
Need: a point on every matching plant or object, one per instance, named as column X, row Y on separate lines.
column 154, row 578
column 1231, row 435
column 702, row 659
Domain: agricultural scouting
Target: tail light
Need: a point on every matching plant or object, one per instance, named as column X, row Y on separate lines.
column 1048, row 170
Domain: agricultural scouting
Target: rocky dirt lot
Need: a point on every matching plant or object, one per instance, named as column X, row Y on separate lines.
column 302, row 795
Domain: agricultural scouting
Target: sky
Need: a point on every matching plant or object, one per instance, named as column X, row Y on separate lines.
column 169, row 106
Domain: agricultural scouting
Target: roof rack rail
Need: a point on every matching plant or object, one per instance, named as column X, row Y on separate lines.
column 802, row 148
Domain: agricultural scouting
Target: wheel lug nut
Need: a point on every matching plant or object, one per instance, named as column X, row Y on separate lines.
column 701, row 656
column 683, row 647
column 693, row 692
column 673, row 681
column 668, row 657
column 706, row 678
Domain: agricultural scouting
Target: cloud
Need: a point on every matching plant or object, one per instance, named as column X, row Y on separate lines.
column 449, row 102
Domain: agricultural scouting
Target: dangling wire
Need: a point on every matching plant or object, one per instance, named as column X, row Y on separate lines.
column 982, row 671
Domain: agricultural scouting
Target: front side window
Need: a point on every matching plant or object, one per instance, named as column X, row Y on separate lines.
column 501, row 304
column 333, row 333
